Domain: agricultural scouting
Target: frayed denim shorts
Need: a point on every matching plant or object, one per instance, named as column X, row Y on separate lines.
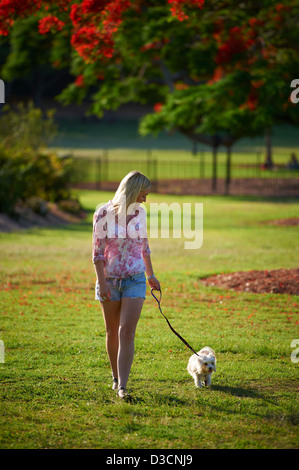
column 132, row 286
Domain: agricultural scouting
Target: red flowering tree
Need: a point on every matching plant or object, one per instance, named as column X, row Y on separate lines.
column 217, row 71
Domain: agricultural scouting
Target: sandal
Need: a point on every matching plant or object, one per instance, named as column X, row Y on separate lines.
column 115, row 384
column 123, row 394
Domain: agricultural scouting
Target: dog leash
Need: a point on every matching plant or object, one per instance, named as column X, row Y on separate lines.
column 172, row 329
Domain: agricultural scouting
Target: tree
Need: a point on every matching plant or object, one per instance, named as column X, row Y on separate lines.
column 28, row 59
column 217, row 71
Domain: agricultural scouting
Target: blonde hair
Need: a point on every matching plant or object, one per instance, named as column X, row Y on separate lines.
column 129, row 189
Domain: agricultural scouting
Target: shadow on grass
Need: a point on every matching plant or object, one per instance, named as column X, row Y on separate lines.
column 237, row 391
column 160, row 399
column 241, row 392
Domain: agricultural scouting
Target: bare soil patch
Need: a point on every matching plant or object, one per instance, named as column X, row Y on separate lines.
column 278, row 281
column 285, row 222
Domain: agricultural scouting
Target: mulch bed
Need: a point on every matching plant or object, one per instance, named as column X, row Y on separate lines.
column 277, row 281
column 289, row 222
column 28, row 219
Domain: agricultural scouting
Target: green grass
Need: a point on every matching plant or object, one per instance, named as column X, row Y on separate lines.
column 55, row 382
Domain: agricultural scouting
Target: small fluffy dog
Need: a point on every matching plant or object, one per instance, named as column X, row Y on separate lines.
column 202, row 366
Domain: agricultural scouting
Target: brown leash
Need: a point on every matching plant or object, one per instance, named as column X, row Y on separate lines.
column 172, row 329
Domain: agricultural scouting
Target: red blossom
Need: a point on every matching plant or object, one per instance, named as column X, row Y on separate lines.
column 154, row 45
column 238, row 41
column 252, row 101
column 146, row 47
column 269, row 52
column 158, row 107
column 93, row 6
column 257, row 83
column 181, row 86
column 76, row 14
column 85, row 40
column 281, row 7
column 255, row 22
column 19, row 7
column 218, row 74
column 251, row 104
column 95, row 23
column 79, row 82
column 5, row 26
column 90, row 43
column 10, row 9
column 177, row 7
column 50, row 23
column 61, row 5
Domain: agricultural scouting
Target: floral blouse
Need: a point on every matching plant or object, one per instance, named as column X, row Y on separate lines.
column 122, row 246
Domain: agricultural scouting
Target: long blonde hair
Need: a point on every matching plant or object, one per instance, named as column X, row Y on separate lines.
column 129, row 188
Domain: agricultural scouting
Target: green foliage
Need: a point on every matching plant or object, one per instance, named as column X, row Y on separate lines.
column 10, row 181
column 159, row 59
column 28, row 49
column 25, row 127
column 27, row 174
column 26, row 171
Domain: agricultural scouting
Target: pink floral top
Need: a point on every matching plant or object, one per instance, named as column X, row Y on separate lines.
column 122, row 246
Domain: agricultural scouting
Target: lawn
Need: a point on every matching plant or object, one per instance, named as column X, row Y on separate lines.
column 55, row 381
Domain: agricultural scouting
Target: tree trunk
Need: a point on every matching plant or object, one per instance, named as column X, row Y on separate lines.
column 214, row 177
column 228, row 169
column 268, row 141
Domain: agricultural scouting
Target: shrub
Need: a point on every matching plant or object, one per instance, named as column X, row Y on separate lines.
column 23, row 176
column 11, row 184
column 25, row 127
column 25, row 170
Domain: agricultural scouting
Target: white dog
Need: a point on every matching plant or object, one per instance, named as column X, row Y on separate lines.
column 202, row 366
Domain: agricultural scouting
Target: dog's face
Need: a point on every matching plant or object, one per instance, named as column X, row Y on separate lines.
column 207, row 364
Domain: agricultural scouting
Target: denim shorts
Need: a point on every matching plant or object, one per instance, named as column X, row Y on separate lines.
column 132, row 286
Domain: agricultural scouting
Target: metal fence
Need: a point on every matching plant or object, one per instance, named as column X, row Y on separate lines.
column 179, row 172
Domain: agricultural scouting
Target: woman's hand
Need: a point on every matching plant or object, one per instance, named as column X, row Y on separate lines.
column 154, row 284
column 104, row 289
column 105, row 293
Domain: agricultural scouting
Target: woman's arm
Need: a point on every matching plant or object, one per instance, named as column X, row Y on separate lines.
column 104, row 289
column 98, row 256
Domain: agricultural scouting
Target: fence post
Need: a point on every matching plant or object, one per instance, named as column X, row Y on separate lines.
column 155, row 175
column 258, row 163
column 98, row 172
column 149, row 163
column 228, row 170
column 194, row 149
column 214, row 177
column 202, row 164
column 105, row 165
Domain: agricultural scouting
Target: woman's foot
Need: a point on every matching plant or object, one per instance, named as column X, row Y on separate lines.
column 123, row 394
column 115, row 384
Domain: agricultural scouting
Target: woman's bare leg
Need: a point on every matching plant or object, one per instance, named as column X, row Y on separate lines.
column 111, row 314
column 129, row 315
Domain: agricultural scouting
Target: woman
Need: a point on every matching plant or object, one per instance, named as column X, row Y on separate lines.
column 121, row 255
